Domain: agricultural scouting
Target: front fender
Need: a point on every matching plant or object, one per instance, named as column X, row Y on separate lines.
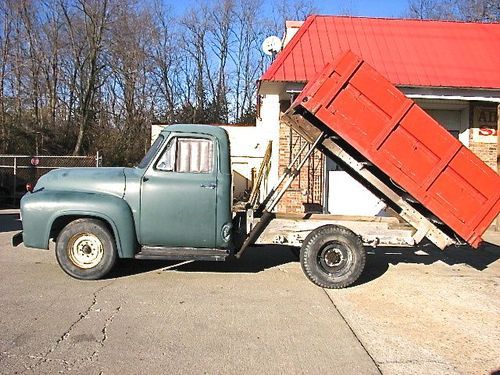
column 41, row 209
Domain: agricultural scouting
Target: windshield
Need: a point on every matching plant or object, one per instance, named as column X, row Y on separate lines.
column 152, row 152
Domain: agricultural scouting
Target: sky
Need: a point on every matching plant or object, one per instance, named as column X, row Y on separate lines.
column 368, row 8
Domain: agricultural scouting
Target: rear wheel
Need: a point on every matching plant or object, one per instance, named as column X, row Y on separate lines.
column 332, row 257
column 85, row 249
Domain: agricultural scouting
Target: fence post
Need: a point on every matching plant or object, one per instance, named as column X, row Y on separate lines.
column 97, row 159
column 15, row 182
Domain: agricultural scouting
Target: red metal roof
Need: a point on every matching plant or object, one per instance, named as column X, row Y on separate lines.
column 407, row 52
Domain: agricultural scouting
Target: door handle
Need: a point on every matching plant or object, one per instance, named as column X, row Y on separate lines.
column 209, row 186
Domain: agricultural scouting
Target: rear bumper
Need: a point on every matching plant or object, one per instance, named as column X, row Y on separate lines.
column 17, row 239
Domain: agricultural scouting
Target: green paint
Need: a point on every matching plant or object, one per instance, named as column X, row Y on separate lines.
column 143, row 206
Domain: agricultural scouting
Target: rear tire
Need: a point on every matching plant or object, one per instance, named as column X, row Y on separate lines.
column 85, row 249
column 332, row 257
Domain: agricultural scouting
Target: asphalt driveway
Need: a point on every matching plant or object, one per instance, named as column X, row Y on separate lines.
column 412, row 312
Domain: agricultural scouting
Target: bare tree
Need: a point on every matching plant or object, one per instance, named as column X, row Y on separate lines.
column 479, row 10
column 291, row 10
column 92, row 74
column 220, row 29
column 51, row 49
column 195, row 27
column 6, row 22
column 432, row 9
column 464, row 10
column 130, row 59
column 165, row 63
column 87, row 45
column 246, row 56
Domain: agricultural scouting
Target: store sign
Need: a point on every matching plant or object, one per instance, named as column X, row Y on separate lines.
column 485, row 124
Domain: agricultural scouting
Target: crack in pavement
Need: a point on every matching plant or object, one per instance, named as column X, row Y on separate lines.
column 107, row 324
column 420, row 361
column 65, row 335
column 77, row 364
column 30, row 356
column 104, row 332
column 352, row 330
column 415, row 361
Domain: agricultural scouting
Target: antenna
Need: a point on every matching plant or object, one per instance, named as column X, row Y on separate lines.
column 271, row 45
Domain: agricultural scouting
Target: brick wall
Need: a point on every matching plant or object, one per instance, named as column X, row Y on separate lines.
column 487, row 152
column 306, row 192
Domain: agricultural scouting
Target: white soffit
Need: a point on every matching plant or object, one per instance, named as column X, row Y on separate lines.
column 455, row 97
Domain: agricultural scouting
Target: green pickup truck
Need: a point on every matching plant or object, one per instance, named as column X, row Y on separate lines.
column 176, row 205
column 177, row 200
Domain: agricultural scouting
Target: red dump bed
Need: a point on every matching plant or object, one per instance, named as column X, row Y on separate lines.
column 398, row 137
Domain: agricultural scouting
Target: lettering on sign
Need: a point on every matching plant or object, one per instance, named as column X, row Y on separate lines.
column 484, row 127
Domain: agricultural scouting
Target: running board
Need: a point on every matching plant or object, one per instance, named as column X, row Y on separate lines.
column 182, row 253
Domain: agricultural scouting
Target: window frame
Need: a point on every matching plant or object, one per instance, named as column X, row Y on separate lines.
column 149, row 157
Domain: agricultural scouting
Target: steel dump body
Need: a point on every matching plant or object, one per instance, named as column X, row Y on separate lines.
column 353, row 102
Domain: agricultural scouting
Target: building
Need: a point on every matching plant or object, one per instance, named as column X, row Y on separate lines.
column 451, row 69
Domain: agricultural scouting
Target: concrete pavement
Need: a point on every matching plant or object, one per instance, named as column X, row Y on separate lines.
column 412, row 312
column 255, row 316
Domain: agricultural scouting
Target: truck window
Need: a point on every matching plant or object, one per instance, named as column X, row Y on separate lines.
column 187, row 155
column 167, row 160
column 152, row 152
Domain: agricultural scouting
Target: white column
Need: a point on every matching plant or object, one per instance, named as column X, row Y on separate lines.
column 268, row 127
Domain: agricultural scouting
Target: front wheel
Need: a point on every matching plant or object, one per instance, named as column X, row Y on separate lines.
column 332, row 257
column 85, row 249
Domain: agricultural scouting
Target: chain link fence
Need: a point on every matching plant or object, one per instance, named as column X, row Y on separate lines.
column 18, row 170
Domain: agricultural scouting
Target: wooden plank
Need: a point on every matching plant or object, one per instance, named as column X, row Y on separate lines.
column 254, row 195
column 371, row 219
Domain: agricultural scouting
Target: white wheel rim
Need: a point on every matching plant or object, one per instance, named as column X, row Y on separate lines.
column 85, row 250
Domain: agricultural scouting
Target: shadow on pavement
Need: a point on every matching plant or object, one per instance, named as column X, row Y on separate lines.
column 258, row 259
column 254, row 260
column 379, row 259
column 9, row 222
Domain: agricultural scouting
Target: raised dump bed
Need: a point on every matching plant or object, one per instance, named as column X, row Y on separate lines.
column 396, row 149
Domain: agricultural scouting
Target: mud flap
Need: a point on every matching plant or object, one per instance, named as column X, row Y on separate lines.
column 17, row 239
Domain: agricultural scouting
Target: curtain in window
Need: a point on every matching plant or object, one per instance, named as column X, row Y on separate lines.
column 194, row 155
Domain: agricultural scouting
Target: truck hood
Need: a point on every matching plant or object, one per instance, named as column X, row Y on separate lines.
column 90, row 180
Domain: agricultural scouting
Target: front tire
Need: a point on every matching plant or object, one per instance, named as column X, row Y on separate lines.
column 332, row 257
column 85, row 249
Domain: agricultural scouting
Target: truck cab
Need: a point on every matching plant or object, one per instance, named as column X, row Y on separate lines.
column 176, row 204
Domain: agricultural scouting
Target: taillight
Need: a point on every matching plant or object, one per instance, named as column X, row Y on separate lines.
column 29, row 187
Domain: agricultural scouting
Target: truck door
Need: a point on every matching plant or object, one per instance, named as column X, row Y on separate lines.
column 178, row 194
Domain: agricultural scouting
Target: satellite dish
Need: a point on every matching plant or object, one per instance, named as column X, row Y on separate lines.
column 271, row 45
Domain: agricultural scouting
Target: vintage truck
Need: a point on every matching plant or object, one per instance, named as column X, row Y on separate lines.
column 176, row 204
